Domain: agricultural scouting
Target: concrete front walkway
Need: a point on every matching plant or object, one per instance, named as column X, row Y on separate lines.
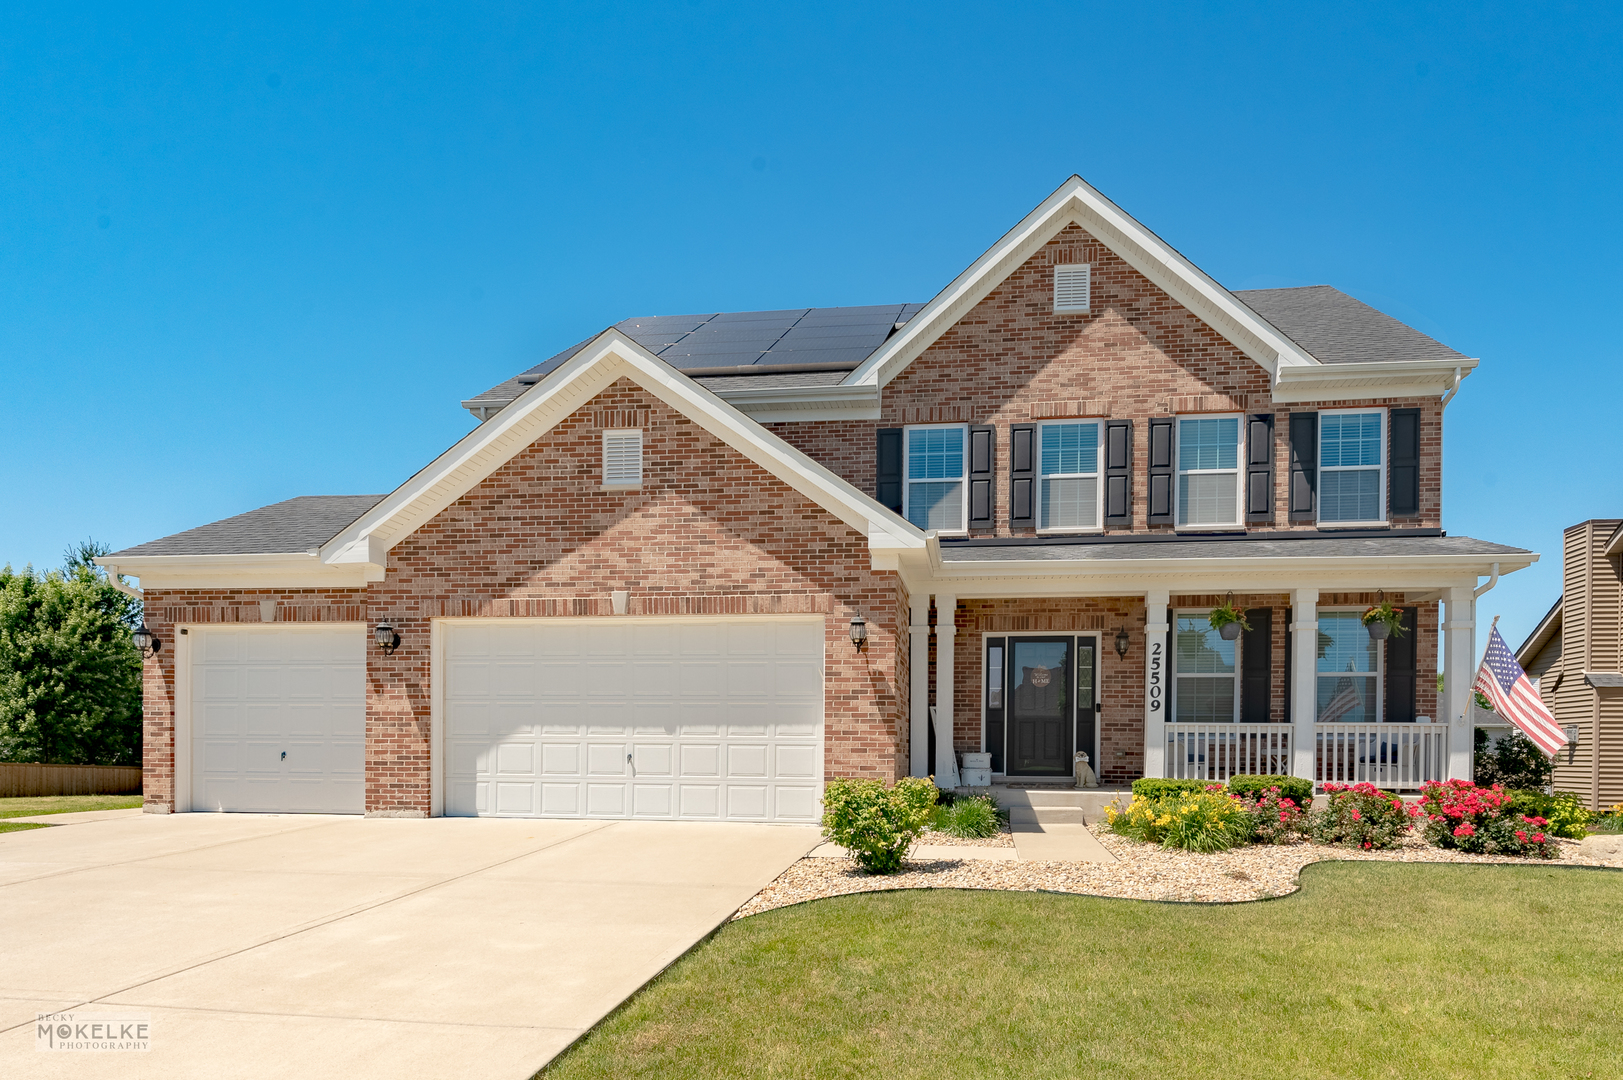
column 276, row 946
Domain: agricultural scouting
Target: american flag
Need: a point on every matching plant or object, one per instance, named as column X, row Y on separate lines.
column 1347, row 700
column 1507, row 686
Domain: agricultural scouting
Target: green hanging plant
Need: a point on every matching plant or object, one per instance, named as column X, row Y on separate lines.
column 1383, row 620
column 1227, row 619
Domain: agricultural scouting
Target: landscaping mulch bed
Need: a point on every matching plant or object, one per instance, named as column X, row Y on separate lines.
column 1004, row 838
column 1141, row 872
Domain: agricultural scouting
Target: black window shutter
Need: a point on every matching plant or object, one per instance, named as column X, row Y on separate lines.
column 1259, row 467
column 1022, row 476
column 888, row 469
column 1400, row 671
column 982, row 451
column 1119, row 472
column 1403, row 483
column 1256, row 666
column 1304, row 489
column 1160, row 472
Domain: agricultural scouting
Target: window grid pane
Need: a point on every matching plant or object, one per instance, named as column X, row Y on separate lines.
column 936, row 505
column 1070, row 503
column 1070, row 449
column 1346, row 699
column 1202, row 650
column 1205, row 700
column 935, row 454
column 1350, row 439
column 1211, row 443
column 1345, row 644
column 1350, row 495
column 1207, row 498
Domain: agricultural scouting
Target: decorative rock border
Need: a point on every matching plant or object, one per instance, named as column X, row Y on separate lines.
column 1140, row 872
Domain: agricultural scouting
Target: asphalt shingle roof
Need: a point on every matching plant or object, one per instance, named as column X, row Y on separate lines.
column 1228, row 548
column 291, row 526
column 1337, row 329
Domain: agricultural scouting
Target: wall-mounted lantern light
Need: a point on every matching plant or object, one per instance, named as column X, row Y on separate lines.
column 859, row 633
column 1122, row 642
column 388, row 640
column 146, row 640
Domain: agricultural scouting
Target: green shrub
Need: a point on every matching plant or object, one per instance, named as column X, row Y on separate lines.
column 1150, row 787
column 1515, row 761
column 1294, row 788
column 1360, row 816
column 877, row 824
column 1483, row 821
column 1275, row 818
column 972, row 817
column 1203, row 821
column 1567, row 816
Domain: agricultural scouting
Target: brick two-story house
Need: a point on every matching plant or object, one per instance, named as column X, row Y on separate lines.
column 695, row 565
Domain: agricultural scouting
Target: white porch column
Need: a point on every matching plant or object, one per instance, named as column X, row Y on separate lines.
column 918, row 695
column 1157, row 668
column 1304, row 703
column 1459, row 657
column 946, row 630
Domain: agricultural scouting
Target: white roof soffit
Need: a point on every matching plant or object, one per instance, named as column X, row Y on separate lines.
column 537, row 410
column 286, row 570
column 1351, row 382
column 1077, row 202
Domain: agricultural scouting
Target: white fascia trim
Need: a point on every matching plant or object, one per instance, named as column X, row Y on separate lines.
column 1381, row 379
column 1076, row 201
column 786, row 404
column 292, row 570
column 541, row 407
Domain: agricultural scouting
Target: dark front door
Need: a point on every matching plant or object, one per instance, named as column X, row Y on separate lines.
column 1041, row 706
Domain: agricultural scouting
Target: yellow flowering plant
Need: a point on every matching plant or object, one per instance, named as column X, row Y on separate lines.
column 1205, row 821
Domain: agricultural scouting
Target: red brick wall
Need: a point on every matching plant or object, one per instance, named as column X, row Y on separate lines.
column 1138, row 354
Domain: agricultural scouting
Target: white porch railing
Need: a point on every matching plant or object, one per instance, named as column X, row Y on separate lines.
column 1386, row 755
column 1218, row 751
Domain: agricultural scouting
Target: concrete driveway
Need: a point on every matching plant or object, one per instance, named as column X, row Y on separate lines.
column 317, row 947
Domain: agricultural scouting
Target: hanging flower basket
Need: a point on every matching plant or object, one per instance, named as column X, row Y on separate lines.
column 1228, row 620
column 1383, row 621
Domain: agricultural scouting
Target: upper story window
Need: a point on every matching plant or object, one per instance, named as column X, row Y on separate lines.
column 1203, row 687
column 934, row 492
column 1349, row 670
column 622, row 457
column 1073, row 287
column 1208, row 471
column 1352, row 473
column 1070, row 476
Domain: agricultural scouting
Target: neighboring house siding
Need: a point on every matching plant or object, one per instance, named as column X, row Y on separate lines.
column 1591, row 640
column 708, row 533
column 1012, row 360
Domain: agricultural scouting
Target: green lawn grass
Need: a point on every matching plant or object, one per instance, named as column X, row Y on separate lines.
column 31, row 805
column 21, row 826
column 1372, row 970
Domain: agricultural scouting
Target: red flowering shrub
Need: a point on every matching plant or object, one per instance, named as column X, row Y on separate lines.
column 1360, row 816
column 1275, row 818
column 1483, row 821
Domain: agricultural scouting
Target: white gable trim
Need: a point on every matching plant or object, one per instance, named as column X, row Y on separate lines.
column 1076, row 202
column 612, row 355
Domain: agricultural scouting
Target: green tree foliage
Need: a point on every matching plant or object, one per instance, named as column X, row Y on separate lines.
column 1515, row 761
column 70, row 675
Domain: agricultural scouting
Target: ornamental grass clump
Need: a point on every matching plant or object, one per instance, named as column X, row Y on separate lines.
column 972, row 818
column 1361, row 816
column 1483, row 821
column 1203, row 821
column 877, row 824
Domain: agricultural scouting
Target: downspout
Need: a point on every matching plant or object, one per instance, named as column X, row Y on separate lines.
column 1493, row 579
column 114, row 580
column 1451, row 392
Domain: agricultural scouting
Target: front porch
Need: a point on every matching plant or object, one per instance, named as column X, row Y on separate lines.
column 1143, row 685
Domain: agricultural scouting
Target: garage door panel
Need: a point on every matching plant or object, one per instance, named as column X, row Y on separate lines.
column 515, row 798
column 278, row 719
column 689, row 719
column 515, row 759
column 508, row 719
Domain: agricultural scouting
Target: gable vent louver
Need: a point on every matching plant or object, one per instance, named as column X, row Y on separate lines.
column 622, row 458
column 1072, row 287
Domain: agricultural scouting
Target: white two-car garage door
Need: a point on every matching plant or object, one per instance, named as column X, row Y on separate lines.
column 707, row 719
column 278, row 718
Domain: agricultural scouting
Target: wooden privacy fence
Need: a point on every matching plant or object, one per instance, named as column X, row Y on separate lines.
column 18, row 780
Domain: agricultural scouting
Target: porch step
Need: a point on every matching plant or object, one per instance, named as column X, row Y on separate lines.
column 1048, row 815
column 1058, row 806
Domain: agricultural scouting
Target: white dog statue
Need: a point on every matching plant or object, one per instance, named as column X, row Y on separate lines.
column 1084, row 772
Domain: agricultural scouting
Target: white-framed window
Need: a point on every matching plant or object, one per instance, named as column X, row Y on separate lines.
column 1205, row 687
column 1073, row 287
column 935, row 494
column 1068, row 462
column 1209, row 457
column 1349, row 670
column 1352, row 467
column 622, row 457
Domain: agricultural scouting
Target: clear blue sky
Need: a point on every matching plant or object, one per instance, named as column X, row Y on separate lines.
column 250, row 256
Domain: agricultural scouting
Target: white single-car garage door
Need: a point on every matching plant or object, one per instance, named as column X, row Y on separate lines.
column 279, row 718
column 705, row 719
